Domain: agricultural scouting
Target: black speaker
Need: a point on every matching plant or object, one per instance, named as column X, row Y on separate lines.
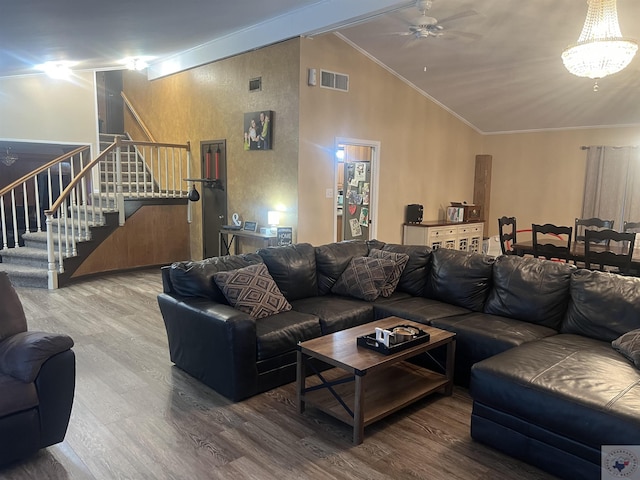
column 413, row 213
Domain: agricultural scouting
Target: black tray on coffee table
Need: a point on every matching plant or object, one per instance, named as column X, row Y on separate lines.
column 369, row 341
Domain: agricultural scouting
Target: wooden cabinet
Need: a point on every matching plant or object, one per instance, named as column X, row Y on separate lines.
column 455, row 236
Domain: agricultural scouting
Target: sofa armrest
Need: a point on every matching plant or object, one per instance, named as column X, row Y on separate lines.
column 22, row 355
column 213, row 342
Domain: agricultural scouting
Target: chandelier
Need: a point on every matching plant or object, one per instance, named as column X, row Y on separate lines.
column 601, row 50
column 9, row 158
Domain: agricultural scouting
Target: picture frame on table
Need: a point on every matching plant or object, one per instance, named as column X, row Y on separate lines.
column 250, row 226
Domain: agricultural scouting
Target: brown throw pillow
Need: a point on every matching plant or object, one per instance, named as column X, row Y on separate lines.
column 364, row 277
column 629, row 346
column 400, row 260
column 252, row 290
column 12, row 319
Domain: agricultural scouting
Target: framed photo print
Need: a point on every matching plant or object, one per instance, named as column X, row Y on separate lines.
column 258, row 130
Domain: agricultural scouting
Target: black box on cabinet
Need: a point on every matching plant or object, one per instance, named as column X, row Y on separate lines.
column 414, row 213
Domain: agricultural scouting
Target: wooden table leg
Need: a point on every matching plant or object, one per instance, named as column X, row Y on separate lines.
column 450, row 368
column 300, row 381
column 358, row 411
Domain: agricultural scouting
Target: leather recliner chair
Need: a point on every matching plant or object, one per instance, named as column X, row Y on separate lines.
column 37, row 381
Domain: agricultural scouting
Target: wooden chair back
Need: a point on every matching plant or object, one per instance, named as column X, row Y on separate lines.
column 631, row 227
column 584, row 224
column 618, row 254
column 507, row 229
column 548, row 241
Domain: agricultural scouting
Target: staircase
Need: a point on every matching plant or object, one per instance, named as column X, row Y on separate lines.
column 91, row 214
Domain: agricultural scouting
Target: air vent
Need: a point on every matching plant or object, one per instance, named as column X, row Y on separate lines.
column 335, row 81
column 255, row 84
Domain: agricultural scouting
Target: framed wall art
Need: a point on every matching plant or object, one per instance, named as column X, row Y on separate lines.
column 258, row 130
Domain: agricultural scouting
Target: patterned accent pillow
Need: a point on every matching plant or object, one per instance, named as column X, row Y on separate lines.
column 400, row 260
column 629, row 346
column 364, row 277
column 252, row 290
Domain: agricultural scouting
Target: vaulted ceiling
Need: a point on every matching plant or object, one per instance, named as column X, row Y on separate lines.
column 496, row 66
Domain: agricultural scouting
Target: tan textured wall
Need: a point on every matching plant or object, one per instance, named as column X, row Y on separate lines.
column 209, row 103
column 427, row 155
column 539, row 177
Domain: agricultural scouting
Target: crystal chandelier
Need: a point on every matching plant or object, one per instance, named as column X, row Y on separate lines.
column 9, row 158
column 601, row 50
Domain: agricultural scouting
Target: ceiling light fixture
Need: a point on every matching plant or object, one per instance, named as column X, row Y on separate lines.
column 136, row 63
column 10, row 158
column 601, row 50
column 60, row 70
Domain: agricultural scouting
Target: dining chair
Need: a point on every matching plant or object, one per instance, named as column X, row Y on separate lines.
column 631, row 227
column 584, row 224
column 618, row 251
column 507, row 229
column 548, row 241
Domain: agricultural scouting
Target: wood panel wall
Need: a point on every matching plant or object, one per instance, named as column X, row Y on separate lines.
column 154, row 235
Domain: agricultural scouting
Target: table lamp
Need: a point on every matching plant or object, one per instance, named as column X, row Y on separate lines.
column 273, row 219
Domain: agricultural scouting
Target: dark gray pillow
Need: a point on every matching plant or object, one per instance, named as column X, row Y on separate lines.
column 12, row 319
column 400, row 261
column 364, row 278
column 414, row 276
column 333, row 258
column 629, row 346
column 252, row 290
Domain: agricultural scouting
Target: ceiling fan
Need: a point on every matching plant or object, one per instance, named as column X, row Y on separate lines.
column 425, row 26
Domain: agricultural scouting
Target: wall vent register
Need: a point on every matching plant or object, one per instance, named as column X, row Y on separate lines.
column 333, row 80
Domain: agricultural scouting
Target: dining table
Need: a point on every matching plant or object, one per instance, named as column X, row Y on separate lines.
column 577, row 254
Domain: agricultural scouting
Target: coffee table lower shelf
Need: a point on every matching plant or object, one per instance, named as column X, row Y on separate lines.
column 386, row 391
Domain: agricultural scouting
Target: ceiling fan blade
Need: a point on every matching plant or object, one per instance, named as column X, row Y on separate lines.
column 472, row 36
column 457, row 16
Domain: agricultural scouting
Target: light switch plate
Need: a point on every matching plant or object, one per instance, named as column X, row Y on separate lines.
column 329, row 193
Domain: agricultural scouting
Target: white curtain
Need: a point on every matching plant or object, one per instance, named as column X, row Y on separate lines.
column 612, row 184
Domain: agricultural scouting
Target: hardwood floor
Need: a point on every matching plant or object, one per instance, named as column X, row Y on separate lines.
column 136, row 416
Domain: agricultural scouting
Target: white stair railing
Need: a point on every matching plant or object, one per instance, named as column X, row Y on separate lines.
column 110, row 193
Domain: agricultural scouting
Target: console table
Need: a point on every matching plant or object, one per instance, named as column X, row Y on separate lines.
column 466, row 236
column 230, row 237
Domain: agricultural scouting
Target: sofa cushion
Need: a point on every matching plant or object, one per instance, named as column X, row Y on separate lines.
column 280, row 333
column 460, row 278
column 293, row 267
column 400, row 261
column 414, row 276
column 17, row 395
column 480, row 335
column 530, row 289
column 12, row 319
column 336, row 312
column 252, row 290
column 419, row 309
column 364, row 278
column 629, row 346
column 195, row 278
column 332, row 259
column 603, row 305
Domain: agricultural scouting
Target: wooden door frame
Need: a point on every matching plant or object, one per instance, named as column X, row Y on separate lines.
column 375, row 179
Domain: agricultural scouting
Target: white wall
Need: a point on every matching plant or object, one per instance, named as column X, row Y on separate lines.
column 38, row 108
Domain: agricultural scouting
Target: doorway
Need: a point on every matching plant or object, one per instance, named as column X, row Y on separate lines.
column 214, row 194
column 356, row 189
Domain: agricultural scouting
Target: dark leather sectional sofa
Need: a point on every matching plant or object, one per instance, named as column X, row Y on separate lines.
column 533, row 339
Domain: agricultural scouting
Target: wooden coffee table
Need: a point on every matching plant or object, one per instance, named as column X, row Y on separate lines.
column 367, row 385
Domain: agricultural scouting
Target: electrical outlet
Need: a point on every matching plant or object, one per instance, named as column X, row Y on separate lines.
column 329, row 193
